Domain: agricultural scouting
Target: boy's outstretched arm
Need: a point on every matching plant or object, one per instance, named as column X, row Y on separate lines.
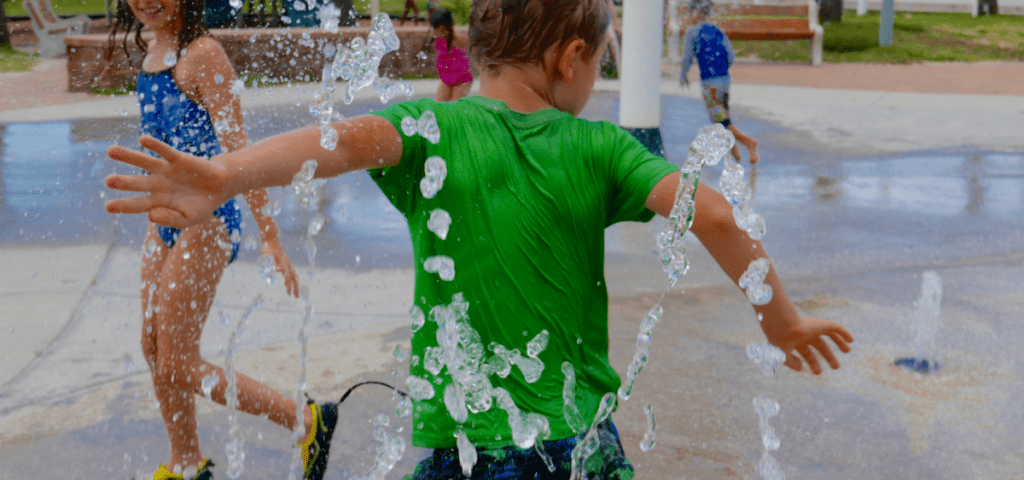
column 183, row 190
column 733, row 249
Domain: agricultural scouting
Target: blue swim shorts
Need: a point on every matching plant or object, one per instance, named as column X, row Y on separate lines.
column 716, row 98
column 513, row 463
column 229, row 213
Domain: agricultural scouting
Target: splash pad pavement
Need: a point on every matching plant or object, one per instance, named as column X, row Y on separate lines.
column 859, row 202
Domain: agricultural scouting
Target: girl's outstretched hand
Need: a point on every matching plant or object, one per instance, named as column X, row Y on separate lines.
column 182, row 190
column 282, row 264
column 808, row 336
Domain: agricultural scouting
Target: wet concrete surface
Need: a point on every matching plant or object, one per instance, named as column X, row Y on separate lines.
column 849, row 233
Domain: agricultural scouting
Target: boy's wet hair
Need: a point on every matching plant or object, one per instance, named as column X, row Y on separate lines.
column 703, row 8
column 193, row 25
column 504, row 32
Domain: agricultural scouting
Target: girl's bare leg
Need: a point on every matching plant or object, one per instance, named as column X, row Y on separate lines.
column 747, row 141
column 186, row 277
column 444, row 93
column 460, row 90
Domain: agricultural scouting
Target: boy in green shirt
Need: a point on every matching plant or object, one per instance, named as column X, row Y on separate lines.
column 514, row 286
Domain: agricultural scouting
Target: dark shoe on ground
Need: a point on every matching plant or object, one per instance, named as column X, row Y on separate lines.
column 316, row 448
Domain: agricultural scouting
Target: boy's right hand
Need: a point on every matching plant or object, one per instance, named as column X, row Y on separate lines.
column 182, row 190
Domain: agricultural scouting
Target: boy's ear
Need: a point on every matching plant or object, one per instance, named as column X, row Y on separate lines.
column 565, row 66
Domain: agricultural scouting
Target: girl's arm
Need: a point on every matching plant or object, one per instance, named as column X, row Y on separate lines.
column 182, row 189
column 733, row 249
column 729, row 50
column 207, row 74
column 688, row 40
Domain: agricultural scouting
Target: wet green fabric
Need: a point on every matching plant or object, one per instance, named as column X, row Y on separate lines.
column 530, row 196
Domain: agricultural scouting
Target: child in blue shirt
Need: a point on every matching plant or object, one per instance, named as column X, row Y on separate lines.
column 714, row 55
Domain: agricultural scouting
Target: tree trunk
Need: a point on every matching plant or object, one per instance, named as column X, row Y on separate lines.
column 5, row 34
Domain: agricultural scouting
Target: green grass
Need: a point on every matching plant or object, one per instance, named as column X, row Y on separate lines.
column 459, row 8
column 12, row 60
column 62, row 7
column 917, row 37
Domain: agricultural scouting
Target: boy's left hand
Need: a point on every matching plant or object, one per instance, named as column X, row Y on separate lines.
column 808, row 336
column 182, row 190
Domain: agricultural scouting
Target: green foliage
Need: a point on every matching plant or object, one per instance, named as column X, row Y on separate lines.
column 12, row 60
column 110, row 92
column 917, row 37
column 460, row 10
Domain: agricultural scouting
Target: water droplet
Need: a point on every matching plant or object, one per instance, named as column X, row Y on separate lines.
column 404, row 408
column 767, row 356
column 316, row 224
column 537, row 344
column 442, row 265
column 467, row 453
column 651, row 437
column 209, row 382
column 419, row 389
column 265, row 264
column 435, row 172
column 752, row 281
column 439, row 222
column 427, row 127
column 400, row 353
column 170, row 59
column 409, row 126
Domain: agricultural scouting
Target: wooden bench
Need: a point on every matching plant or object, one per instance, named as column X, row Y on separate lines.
column 755, row 22
column 279, row 54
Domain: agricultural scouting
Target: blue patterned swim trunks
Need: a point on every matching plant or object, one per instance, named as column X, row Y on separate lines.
column 513, row 463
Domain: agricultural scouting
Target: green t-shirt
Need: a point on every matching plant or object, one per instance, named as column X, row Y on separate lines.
column 530, row 196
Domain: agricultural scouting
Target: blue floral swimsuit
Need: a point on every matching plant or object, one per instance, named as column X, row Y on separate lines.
column 171, row 117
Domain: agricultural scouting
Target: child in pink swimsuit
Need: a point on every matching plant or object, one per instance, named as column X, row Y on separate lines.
column 452, row 62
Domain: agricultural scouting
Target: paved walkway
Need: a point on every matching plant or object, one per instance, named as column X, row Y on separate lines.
column 849, row 236
column 46, row 84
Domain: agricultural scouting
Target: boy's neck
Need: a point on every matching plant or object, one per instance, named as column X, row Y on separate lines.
column 524, row 89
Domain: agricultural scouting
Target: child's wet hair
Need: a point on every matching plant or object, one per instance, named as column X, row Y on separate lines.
column 703, row 8
column 193, row 25
column 442, row 18
column 503, row 32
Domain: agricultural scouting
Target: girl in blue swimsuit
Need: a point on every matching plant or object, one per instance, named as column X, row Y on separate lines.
column 185, row 94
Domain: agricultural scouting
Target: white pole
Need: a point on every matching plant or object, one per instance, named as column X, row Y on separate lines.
column 640, row 77
column 374, row 9
column 862, row 7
